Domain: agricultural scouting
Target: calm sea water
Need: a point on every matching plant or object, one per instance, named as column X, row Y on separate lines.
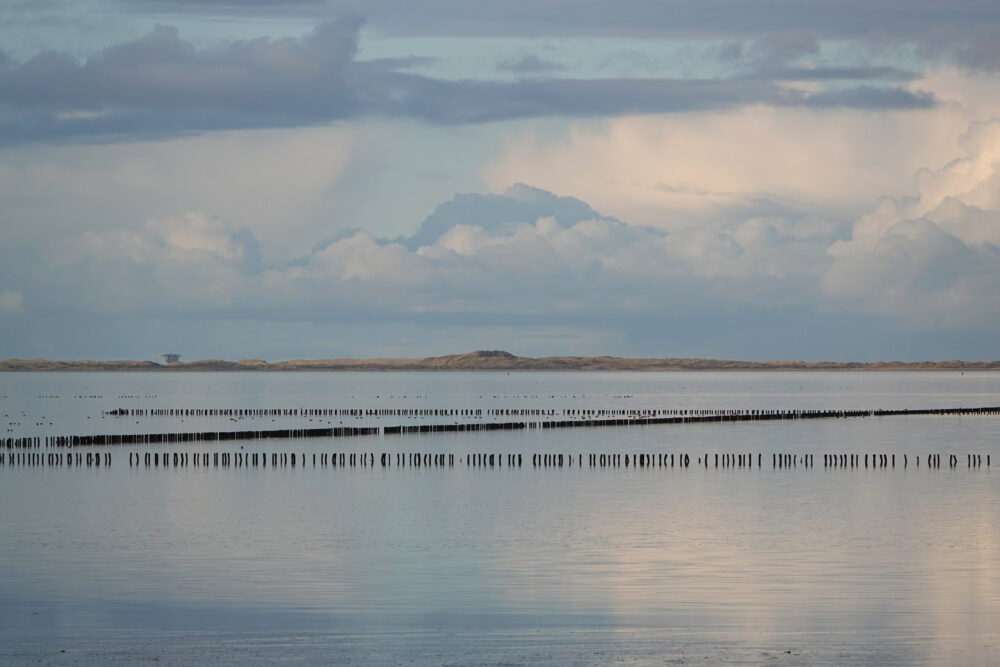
column 462, row 565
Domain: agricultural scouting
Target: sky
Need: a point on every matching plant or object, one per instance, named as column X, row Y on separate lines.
column 779, row 179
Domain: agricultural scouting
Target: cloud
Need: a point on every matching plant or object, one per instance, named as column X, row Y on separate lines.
column 528, row 64
column 797, row 56
column 779, row 49
column 919, row 274
column 526, row 261
column 194, row 233
column 282, row 185
column 757, row 176
column 627, row 17
column 932, row 260
column 518, row 203
column 872, row 98
column 191, row 263
column 678, row 170
column 961, row 197
column 843, row 74
column 161, row 85
column 523, row 256
column 974, row 47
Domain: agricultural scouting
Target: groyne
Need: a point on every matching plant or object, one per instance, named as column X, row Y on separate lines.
column 579, row 418
column 745, row 460
column 643, row 415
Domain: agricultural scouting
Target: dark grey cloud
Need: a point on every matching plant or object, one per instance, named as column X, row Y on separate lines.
column 796, row 56
column 839, row 74
column 455, row 102
column 780, row 48
column 960, row 31
column 162, row 71
column 162, row 85
column 528, row 64
column 977, row 47
column 626, row 17
column 871, row 97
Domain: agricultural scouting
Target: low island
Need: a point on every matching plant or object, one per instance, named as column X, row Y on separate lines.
column 488, row 360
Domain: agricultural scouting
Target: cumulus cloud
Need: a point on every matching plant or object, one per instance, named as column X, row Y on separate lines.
column 674, row 171
column 525, row 253
column 196, row 234
column 526, row 260
column 280, row 184
column 932, row 259
column 770, row 185
column 186, row 263
column 526, row 256
column 518, row 203
column 961, row 197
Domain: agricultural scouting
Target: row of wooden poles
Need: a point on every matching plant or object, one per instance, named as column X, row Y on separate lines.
column 576, row 413
column 301, row 412
column 418, row 459
column 585, row 421
column 209, row 436
column 53, row 459
column 419, row 412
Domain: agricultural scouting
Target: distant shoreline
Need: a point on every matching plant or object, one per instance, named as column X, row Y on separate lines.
column 492, row 360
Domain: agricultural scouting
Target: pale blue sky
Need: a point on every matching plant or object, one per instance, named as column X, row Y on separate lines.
column 322, row 178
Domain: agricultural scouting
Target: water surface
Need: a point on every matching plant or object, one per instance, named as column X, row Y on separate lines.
column 459, row 565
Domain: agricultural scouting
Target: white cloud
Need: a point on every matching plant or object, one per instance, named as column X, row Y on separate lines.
column 682, row 169
column 962, row 197
column 360, row 259
column 276, row 183
column 929, row 260
column 973, row 93
column 593, row 269
column 674, row 171
column 186, row 263
column 932, row 260
column 196, row 233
